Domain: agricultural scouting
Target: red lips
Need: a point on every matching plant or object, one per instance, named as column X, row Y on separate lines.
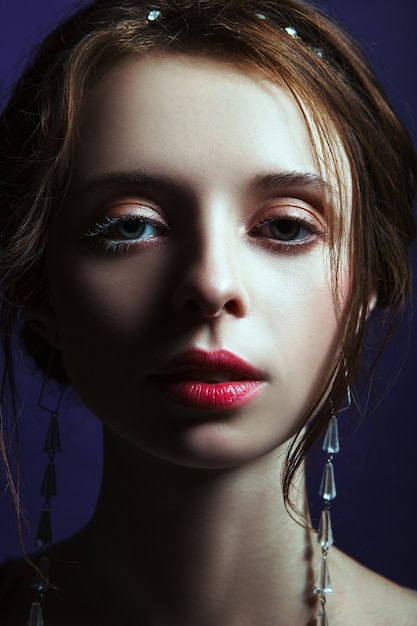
column 210, row 380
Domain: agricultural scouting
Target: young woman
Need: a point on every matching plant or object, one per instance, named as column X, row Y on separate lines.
column 202, row 204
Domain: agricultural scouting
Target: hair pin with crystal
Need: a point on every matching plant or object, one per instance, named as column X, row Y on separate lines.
column 153, row 16
column 292, row 32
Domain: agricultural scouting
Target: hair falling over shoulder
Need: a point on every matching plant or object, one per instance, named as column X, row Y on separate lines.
column 323, row 69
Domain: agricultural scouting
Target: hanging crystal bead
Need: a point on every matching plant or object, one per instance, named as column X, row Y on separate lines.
column 348, row 388
column 331, row 443
column 40, row 580
column 35, row 618
column 53, row 439
column 328, row 484
column 48, row 488
column 349, row 395
column 325, row 533
column 44, row 534
column 323, row 584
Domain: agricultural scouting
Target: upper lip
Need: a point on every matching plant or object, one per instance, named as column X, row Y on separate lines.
column 191, row 362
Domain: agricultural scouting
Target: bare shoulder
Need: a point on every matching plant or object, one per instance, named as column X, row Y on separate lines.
column 365, row 598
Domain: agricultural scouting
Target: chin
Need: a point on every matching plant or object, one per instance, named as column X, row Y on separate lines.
column 209, row 446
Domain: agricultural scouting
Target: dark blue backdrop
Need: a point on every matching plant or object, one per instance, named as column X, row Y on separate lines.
column 376, row 509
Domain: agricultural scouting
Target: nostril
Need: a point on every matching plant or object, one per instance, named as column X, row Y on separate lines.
column 202, row 307
column 233, row 307
column 211, row 309
column 209, row 294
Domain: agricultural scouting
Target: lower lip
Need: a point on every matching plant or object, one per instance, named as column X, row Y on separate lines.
column 212, row 396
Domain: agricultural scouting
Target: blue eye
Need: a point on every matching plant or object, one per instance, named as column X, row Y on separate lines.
column 130, row 229
column 118, row 234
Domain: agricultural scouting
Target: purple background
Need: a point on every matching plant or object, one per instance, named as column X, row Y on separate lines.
column 375, row 514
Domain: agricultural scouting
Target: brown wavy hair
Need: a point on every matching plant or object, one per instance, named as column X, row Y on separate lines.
column 320, row 65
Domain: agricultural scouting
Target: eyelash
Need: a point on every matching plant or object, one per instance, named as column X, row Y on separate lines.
column 101, row 230
column 122, row 246
column 311, row 229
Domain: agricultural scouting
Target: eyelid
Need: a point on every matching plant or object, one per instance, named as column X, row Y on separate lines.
column 123, row 210
column 132, row 206
column 288, row 207
column 282, row 209
column 129, row 208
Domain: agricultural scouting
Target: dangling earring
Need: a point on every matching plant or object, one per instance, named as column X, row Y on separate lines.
column 331, row 446
column 43, row 539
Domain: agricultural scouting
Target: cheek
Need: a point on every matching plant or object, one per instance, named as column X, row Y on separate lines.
column 113, row 297
column 106, row 312
column 305, row 328
column 301, row 299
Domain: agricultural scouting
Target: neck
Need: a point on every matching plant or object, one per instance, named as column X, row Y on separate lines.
column 198, row 546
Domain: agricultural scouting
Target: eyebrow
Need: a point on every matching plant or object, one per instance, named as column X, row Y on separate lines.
column 271, row 181
column 142, row 178
column 124, row 178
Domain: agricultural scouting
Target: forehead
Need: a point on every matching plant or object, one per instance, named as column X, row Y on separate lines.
column 193, row 118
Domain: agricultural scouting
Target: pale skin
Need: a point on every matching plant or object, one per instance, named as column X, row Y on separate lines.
column 190, row 527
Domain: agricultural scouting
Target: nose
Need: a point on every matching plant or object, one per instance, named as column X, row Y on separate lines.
column 212, row 281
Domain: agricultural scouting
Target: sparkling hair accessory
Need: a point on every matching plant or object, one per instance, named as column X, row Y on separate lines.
column 155, row 15
column 292, row 32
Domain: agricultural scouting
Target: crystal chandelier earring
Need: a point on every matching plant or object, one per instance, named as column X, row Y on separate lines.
column 48, row 490
column 331, row 446
column 325, row 534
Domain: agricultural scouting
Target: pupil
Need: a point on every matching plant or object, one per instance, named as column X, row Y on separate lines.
column 131, row 228
column 286, row 229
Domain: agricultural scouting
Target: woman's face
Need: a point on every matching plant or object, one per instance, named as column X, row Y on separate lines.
column 189, row 273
